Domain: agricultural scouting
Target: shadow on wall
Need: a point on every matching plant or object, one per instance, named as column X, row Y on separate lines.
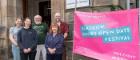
column 2, row 51
column 2, row 28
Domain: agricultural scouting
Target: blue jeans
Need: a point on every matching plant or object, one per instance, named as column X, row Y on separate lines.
column 16, row 52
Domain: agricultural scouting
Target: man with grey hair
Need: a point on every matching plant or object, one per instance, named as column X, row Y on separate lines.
column 41, row 29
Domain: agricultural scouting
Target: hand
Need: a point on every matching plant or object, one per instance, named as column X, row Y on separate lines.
column 16, row 45
column 52, row 51
column 29, row 49
column 25, row 50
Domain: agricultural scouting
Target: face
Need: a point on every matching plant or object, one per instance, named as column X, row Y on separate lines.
column 37, row 19
column 18, row 22
column 54, row 29
column 27, row 22
column 57, row 16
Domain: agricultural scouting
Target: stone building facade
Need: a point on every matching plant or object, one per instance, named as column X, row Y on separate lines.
column 10, row 9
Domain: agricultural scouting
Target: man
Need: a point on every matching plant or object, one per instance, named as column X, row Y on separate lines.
column 63, row 29
column 41, row 29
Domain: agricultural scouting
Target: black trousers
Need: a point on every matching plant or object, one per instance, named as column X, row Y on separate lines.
column 54, row 56
column 30, row 56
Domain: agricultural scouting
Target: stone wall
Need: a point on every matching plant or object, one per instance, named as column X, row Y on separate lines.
column 3, row 23
column 9, row 9
column 56, row 6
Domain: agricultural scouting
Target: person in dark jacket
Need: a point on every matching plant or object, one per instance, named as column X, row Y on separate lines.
column 54, row 43
column 27, row 41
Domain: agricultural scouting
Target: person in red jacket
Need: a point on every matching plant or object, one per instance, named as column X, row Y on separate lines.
column 63, row 29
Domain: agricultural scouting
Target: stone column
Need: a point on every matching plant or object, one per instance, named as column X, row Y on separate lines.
column 8, row 14
column 115, row 2
column 3, row 37
column 57, row 6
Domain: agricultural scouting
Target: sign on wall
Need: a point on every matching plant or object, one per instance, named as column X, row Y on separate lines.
column 80, row 3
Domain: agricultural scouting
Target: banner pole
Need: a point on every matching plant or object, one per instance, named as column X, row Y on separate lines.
column 74, row 11
column 75, row 5
column 138, row 5
column 139, row 18
column 128, row 4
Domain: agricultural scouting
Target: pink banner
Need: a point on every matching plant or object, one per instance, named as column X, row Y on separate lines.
column 107, row 35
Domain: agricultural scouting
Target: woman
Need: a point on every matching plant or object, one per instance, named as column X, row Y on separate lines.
column 27, row 40
column 54, row 43
column 13, row 38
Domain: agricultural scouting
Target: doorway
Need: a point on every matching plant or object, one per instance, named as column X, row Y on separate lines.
column 45, row 11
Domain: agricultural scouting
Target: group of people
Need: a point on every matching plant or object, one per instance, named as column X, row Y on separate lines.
column 31, row 40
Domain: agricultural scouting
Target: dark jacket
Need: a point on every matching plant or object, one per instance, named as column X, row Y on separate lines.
column 27, row 38
column 55, row 42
